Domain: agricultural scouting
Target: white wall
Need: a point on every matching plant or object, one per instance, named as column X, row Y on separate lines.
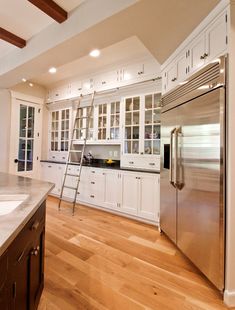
column 5, row 122
column 229, row 296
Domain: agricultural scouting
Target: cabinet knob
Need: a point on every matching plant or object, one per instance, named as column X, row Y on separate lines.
column 35, row 225
column 35, row 251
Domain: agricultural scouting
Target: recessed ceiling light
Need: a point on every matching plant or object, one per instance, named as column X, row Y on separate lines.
column 24, row 80
column 95, row 53
column 52, row 70
column 31, row 84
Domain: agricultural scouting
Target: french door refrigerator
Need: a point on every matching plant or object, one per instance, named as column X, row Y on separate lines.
column 193, row 169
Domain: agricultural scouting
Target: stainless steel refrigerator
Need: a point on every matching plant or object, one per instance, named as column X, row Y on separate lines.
column 193, row 169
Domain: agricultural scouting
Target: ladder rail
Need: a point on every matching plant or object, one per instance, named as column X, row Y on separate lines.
column 70, row 151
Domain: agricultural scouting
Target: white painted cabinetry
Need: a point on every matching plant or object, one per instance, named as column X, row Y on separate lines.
column 141, row 132
column 205, row 46
column 131, row 193
column 112, row 189
column 52, row 173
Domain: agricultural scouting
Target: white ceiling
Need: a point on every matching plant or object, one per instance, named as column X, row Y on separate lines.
column 159, row 25
column 25, row 20
column 117, row 54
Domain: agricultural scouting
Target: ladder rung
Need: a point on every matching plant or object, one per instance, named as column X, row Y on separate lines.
column 70, row 187
column 73, row 163
column 72, row 175
column 82, row 117
column 66, row 200
column 75, row 151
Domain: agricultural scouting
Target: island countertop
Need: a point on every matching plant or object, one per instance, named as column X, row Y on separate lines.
column 12, row 223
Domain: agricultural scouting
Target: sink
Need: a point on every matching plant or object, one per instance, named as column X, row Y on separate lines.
column 9, row 203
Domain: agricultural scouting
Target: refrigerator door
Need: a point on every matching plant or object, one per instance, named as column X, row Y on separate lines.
column 200, row 214
column 167, row 175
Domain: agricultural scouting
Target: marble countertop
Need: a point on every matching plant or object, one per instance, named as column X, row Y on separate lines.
column 12, row 223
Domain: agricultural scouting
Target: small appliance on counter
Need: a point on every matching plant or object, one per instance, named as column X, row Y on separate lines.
column 88, row 159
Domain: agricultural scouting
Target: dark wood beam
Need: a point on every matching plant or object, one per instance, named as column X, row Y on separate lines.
column 12, row 38
column 52, row 9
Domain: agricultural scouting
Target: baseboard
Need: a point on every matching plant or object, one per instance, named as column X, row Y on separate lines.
column 229, row 298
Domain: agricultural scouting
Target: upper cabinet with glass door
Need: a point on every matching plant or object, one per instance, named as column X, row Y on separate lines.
column 141, row 140
column 60, row 122
column 152, row 124
column 132, row 126
column 85, row 120
column 114, row 130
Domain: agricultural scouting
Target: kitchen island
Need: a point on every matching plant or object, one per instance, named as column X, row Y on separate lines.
column 22, row 235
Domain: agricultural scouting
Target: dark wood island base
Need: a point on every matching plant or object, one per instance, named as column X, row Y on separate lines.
column 22, row 266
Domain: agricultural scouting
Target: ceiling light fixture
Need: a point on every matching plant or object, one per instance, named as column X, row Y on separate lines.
column 52, row 70
column 95, row 53
column 24, row 80
column 31, row 84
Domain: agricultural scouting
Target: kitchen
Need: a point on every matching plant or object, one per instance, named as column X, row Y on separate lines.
column 118, row 96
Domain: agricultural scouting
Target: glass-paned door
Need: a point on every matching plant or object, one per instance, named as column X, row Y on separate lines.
column 64, row 133
column 132, row 126
column 55, row 131
column 102, row 122
column 26, row 138
column 152, row 124
column 115, row 120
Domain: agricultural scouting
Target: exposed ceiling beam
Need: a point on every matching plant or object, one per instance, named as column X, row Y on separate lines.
column 12, row 38
column 52, row 9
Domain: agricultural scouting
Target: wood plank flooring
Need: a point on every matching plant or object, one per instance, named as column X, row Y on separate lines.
column 96, row 260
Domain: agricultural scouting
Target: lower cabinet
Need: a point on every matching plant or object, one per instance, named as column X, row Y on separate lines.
column 23, row 280
column 112, row 189
column 53, row 173
column 129, row 192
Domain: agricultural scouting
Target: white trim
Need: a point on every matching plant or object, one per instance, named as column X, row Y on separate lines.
column 199, row 29
column 28, row 98
column 229, row 298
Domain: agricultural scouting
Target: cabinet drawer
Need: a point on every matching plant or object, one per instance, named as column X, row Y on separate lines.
column 27, row 236
column 141, row 162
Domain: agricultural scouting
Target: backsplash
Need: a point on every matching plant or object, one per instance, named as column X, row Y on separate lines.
column 102, row 151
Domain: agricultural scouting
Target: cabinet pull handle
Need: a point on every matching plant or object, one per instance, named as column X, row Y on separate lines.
column 131, row 162
column 152, row 164
column 103, row 82
column 202, row 57
column 205, row 55
column 92, row 196
column 35, row 225
column 138, row 178
column 92, row 171
column 174, row 79
column 14, row 290
column 92, row 182
column 49, row 166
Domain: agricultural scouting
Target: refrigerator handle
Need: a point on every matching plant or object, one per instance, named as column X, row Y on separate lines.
column 178, row 165
column 171, row 147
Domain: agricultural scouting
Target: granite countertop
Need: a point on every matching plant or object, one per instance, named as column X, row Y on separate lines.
column 103, row 165
column 12, row 223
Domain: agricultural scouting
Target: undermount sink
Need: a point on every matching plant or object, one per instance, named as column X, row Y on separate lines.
column 9, row 203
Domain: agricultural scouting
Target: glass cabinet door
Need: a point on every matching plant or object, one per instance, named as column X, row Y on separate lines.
column 115, row 121
column 102, row 122
column 132, row 126
column 90, row 120
column 55, row 131
column 26, row 138
column 152, row 124
column 64, row 133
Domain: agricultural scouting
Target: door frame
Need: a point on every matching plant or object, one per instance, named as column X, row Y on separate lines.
column 38, row 102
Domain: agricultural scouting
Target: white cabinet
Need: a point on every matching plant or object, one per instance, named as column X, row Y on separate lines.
column 112, row 189
column 97, row 181
column 149, row 201
column 205, row 46
column 107, row 80
column 197, row 52
column 52, row 173
column 216, row 37
column 141, row 135
column 130, row 190
column 59, row 133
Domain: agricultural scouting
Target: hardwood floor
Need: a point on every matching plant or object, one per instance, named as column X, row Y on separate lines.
column 97, row 260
